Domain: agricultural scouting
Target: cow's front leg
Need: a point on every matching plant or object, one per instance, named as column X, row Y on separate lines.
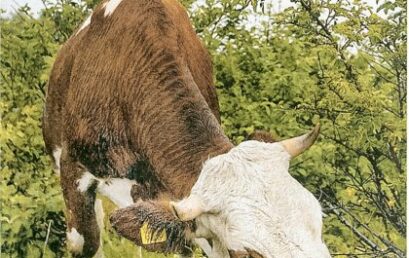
column 79, row 190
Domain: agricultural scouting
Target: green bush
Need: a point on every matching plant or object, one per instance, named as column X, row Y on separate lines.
column 337, row 63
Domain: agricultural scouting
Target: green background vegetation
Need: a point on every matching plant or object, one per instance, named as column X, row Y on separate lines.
column 336, row 62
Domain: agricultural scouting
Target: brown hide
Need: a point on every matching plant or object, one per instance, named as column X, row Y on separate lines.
column 136, row 87
column 131, row 95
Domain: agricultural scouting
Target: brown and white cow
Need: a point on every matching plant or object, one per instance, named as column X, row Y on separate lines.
column 132, row 114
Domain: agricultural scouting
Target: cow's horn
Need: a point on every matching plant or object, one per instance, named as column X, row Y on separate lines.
column 187, row 209
column 297, row 145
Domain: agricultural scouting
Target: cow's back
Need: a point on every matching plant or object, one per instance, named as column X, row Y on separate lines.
column 98, row 71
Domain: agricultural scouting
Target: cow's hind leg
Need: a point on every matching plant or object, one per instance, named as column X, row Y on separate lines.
column 79, row 190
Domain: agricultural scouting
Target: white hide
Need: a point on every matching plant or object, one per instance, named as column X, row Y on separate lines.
column 110, row 6
column 57, row 160
column 85, row 181
column 84, row 24
column 118, row 190
column 204, row 245
column 75, row 241
column 253, row 202
column 192, row 208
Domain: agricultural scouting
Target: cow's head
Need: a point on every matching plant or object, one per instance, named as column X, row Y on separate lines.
column 246, row 204
column 246, row 201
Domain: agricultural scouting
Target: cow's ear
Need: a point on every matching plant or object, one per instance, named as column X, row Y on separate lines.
column 188, row 209
column 152, row 225
column 262, row 136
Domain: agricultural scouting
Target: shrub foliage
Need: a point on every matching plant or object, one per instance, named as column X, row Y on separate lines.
column 340, row 63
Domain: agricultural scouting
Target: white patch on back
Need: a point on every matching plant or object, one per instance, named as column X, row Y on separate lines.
column 110, row 6
column 57, row 160
column 75, row 241
column 118, row 190
column 84, row 24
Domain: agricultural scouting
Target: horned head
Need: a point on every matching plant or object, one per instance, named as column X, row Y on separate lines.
column 246, row 204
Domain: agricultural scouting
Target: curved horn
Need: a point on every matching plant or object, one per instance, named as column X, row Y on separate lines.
column 187, row 209
column 297, row 145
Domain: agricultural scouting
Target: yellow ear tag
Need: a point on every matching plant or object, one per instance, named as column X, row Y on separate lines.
column 148, row 238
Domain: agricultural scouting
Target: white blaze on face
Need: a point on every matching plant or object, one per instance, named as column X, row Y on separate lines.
column 249, row 200
column 110, row 7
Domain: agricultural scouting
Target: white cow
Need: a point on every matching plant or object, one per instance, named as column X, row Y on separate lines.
column 246, row 200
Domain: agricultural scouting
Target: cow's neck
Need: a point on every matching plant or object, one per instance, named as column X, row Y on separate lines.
column 172, row 124
column 178, row 146
column 182, row 171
